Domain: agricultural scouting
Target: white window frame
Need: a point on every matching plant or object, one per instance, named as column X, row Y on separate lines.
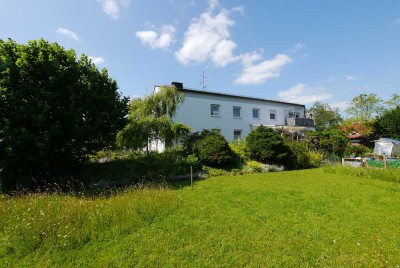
column 219, row 110
column 258, row 110
column 240, row 111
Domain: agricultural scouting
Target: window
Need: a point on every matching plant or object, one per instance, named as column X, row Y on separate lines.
column 215, row 110
column 256, row 113
column 272, row 114
column 237, row 134
column 294, row 114
column 237, row 112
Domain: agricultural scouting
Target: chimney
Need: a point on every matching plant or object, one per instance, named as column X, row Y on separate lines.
column 178, row 85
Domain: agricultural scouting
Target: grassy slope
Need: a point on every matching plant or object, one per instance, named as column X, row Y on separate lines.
column 298, row 218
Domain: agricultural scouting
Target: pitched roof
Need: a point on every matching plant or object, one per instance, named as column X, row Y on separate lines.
column 388, row 140
column 236, row 96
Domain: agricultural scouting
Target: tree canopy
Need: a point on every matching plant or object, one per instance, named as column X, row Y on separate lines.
column 325, row 116
column 393, row 102
column 388, row 124
column 364, row 106
column 151, row 119
column 54, row 109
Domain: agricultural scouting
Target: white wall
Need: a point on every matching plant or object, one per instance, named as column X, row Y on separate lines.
column 196, row 113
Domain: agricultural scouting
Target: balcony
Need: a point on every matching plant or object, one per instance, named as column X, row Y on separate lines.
column 301, row 122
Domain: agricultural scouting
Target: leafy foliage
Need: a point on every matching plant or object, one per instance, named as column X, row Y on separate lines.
column 325, row 117
column 329, row 141
column 359, row 150
column 54, row 109
column 266, row 146
column 213, row 150
column 388, row 124
column 364, row 106
column 301, row 157
column 150, row 119
column 394, row 101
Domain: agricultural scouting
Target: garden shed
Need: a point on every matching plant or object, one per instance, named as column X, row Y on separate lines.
column 387, row 146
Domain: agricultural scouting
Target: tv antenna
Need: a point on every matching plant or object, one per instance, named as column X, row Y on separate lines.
column 204, row 81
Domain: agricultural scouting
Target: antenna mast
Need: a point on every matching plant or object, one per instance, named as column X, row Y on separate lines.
column 204, row 81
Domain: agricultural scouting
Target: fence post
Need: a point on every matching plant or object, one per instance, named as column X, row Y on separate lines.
column 384, row 161
column 191, row 176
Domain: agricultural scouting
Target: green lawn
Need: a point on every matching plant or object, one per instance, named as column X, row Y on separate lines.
column 297, row 218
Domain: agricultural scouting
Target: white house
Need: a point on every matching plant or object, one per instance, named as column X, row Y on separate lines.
column 235, row 116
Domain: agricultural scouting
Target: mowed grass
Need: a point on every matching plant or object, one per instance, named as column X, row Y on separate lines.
column 298, row 218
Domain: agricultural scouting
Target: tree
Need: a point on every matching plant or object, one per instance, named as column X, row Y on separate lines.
column 55, row 108
column 393, row 102
column 266, row 146
column 151, row 119
column 388, row 124
column 179, row 130
column 331, row 142
column 325, row 117
column 364, row 107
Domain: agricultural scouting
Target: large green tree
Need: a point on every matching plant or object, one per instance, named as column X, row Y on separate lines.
column 54, row 109
column 393, row 102
column 331, row 142
column 388, row 124
column 150, row 119
column 325, row 116
column 364, row 106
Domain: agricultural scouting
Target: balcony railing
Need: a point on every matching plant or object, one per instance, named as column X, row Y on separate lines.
column 303, row 122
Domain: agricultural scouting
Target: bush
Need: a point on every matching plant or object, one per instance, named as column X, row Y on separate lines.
column 213, row 150
column 301, row 157
column 266, row 146
column 239, row 148
column 359, row 150
column 254, row 166
column 315, row 158
column 331, row 142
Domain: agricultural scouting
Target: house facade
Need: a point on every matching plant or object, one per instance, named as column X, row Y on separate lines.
column 236, row 116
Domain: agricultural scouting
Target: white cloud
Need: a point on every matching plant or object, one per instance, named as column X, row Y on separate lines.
column 299, row 46
column 69, row 33
column 304, row 94
column 350, row 77
column 255, row 72
column 112, row 7
column 155, row 40
column 208, row 38
column 96, row 60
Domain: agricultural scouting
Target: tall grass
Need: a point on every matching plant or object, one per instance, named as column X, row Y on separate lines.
column 310, row 218
column 391, row 175
column 54, row 222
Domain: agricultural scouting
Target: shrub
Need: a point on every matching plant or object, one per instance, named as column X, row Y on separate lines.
column 266, row 146
column 189, row 142
column 315, row 158
column 360, row 150
column 213, row 150
column 239, row 148
column 332, row 142
column 253, row 166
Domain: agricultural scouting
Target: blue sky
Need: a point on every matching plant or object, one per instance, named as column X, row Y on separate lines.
column 297, row 51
